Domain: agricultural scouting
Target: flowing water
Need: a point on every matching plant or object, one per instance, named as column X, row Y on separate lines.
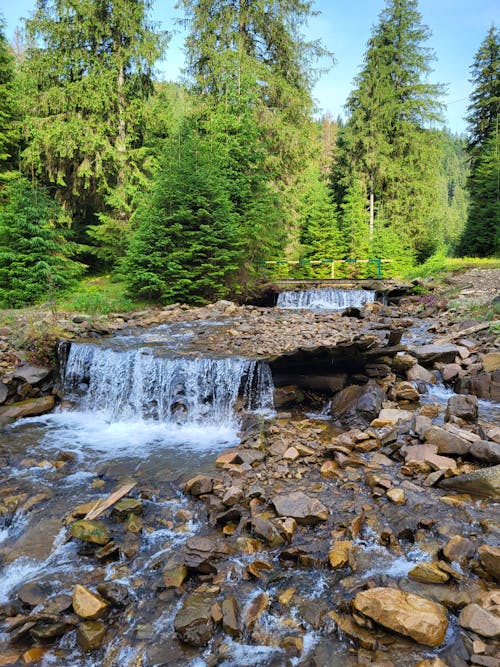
column 325, row 299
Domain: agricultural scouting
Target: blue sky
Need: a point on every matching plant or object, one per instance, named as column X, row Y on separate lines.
column 344, row 26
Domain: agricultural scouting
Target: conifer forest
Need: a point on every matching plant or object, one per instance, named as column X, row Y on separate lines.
column 183, row 191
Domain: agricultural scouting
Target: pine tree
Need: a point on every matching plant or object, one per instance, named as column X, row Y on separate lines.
column 35, row 251
column 481, row 234
column 386, row 142
column 87, row 70
column 8, row 132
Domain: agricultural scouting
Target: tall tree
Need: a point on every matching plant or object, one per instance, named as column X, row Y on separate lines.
column 8, row 114
column 481, row 235
column 386, row 142
column 88, row 68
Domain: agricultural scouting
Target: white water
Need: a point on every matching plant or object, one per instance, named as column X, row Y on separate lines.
column 123, row 386
column 325, row 299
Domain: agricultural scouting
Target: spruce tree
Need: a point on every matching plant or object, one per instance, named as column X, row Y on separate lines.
column 8, row 131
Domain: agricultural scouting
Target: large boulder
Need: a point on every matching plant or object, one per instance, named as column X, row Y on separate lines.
column 305, row 510
column 409, row 615
column 357, row 406
column 462, row 406
column 31, row 374
column 429, row 354
column 483, row 385
column 484, row 482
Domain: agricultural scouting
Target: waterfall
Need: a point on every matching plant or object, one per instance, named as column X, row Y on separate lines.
column 132, row 384
column 325, row 299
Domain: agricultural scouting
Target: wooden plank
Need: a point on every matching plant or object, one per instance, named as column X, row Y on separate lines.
column 104, row 504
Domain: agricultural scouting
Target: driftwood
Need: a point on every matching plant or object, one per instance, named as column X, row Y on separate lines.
column 463, row 332
column 102, row 505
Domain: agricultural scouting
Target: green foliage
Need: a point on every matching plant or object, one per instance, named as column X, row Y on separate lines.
column 8, row 132
column 34, row 247
column 439, row 264
column 97, row 296
column 354, row 221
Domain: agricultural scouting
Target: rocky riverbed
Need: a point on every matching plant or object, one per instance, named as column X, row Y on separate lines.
column 358, row 526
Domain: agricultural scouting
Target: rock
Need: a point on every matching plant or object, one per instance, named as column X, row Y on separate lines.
column 34, row 654
column 459, row 549
column 429, row 354
column 4, row 392
column 305, row 510
column 397, row 496
column 90, row 634
column 231, row 617
column 405, row 391
column 199, row 485
column 463, row 406
column 87, row 604
column 349, row 627
column 33, row 593
column 174, row 575
column 428, row 573
column 116, row 594
column 193, row 622
column 479, row 620
column 31, row 374
column 126, row 506
column 391, row 416
column 450, row 371
column 90, row 531
column 446, row 442
column 266, row 530
column 483, row 385
column 257, row 606
column 484, row 482
column 288, row 395
column 410, row 615
column 232, row 496
column 201, row 552
column 418, row 373
column 28, row 408
column 339, row 553
column 486, row 451
column 432, row 662
column 357, row 406
column 491, row 362
column 490, row 560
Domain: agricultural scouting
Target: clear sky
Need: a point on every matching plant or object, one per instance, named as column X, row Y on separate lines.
column 344, row 26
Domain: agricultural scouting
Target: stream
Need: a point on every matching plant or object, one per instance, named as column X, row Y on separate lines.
column 150, row 407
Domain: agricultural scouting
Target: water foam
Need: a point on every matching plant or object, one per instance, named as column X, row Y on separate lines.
column 325, row 299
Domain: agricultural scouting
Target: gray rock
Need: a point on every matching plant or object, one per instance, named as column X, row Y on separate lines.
column 485, row 482
column 193, row 622
column 463, row 406
column 31, row 374
column 486, row 451
column 305, row 510
column 429, row 354
column 357, row 406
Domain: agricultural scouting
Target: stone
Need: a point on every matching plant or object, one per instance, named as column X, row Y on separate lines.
column 199, row 485
column 90, row 531
column 31, row 374
column 484, row 482
column 479, row 620
column 486, row 451
column 302, row 508
column 408, row 614
column 87, row 604
column 193, row 622
column 446, row 442
column 288, row 395
column 459, row 549
column 428, row 573
column 114, row 593
column 174, row 575
column 450, row 371
column 231, row 623
column 34, row 654
column 349, row 627
column 202, row 552
column 462, row 406
column 357, row 406
column 232, row 496
column 432, row 662
column 405, row 391
column 257, row 606
column 33, row 593
column 339, row 553
column 391, row 416
column 429, row 354
column 397, row 496
column 330, row 469
column 90, row 634
column 418, row 373
column 28, row 408
column 133, row 524
column 490, row 560
column 491, row 362
column 266, row 530
column 126, row 506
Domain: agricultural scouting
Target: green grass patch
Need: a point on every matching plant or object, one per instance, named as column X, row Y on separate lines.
column 98, row 295
column 439, row 264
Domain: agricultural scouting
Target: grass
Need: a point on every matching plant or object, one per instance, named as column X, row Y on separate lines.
column 98, row 295
column 438, row 265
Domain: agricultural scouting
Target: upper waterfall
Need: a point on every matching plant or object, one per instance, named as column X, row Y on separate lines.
column 325, row 299
column 131, row 384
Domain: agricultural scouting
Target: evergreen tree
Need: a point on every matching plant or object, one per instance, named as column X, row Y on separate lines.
column 87, row 71
column 354, row 222
column 386, row 142
column 8, row 132
column 481, row 234
column 35, row 252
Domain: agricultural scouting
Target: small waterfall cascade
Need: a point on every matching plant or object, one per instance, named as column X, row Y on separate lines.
column 325, row 299
column 137, row 384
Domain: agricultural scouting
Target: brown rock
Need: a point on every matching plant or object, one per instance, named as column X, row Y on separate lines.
column 90, row 531
column 305, row 510
column 484, row 482
column 428, row 573
column 405, row 613
column 462, row 406
column 490, row 560
column 446, row 442
column 432, row 662
column 90, row 634
column 405, row 391
column 231, row 617
column 491, row 362
column 479, row 620
column 256, row 608
column 339, row 553
column 429, row 354
column 174, row 575
column 357, row 405
column 348, row 626
column 193, row 622
column 397, row 496
column 28, row 408
column 418, row 373
column 459, row 549
column 450, row 371
column 199, row 485
column 87, row 604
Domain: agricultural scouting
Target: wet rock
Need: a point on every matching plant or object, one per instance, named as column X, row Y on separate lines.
column 255, row 609
column 484, row 482
column 232, row 496
column 490, row 560
column 450, row 371
column 36, row 542
column 405, row 391
column 266, row 530
column 357, row 406
column 199, row 485
column 418, row 373
column 28, row 408
column 428, row 573
column 202, row 552
column 231, row 623
column 32, row 655
column 87, row 604
column 58, row 604
column 288, row 395
column 90, row 531
column 33, row 593
column 90, row 634
column 114, row 593
column 47, row 631
column 302, row 508
column 397, row 496
column 31, row 374
column 491, row 362
column 479, row 620
column 405, row 613
column 339, row 553
column 390, row 416
column 349, row 627
column 429, row 354
column 462, row 406
column 486, row 451
column 126, row 506
column 483, row 385
column 459, row 549
column 174, row 575
column 133, row 524
column 193, row 623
